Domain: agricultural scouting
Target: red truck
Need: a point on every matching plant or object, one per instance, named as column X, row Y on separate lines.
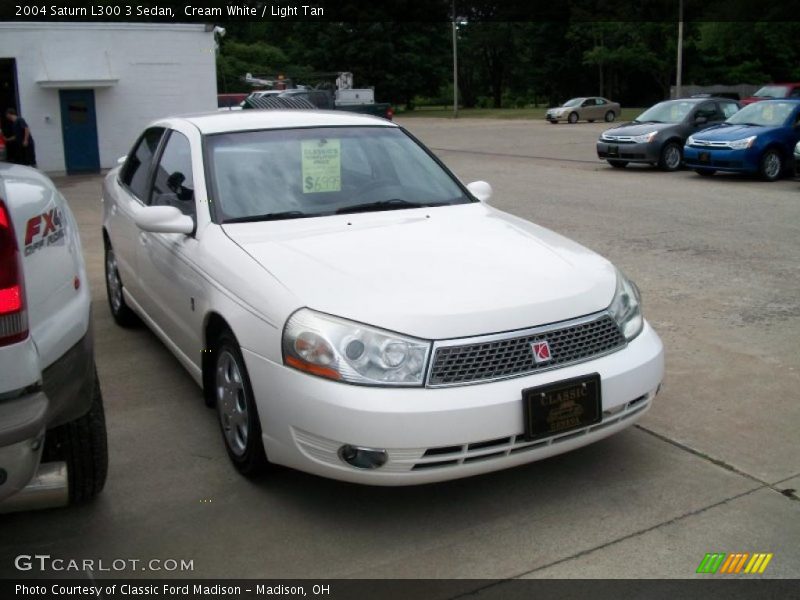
column 773, row 91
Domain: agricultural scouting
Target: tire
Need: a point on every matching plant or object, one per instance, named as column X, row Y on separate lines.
column 122, row 313
column 236, row 408
column 573, row 118
column 705, row 172
column 770, row 167
column 83, row 446
column 618, row 164
column 610, row 116
column 671, row 157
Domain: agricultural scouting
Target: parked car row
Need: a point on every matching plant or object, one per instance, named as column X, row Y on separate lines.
column 709, row 135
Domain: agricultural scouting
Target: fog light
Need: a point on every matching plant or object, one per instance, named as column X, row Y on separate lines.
column 363, row 458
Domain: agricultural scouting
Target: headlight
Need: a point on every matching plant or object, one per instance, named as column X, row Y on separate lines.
column 347, row 351
column 606, row 137
column 626, row 307
column 690, row 140
column 742, row 144
column 645, row 137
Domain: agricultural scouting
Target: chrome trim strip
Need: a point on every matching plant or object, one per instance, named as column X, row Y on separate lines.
column 517, row 333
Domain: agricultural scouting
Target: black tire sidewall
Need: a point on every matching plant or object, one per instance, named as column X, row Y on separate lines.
column 124, row 317
column 254, row 458
column 662, row 163
column 613, row 116
column 572, row 118
column 762, row 162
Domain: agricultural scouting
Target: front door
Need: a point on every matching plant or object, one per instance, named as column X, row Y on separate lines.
column 79, row 128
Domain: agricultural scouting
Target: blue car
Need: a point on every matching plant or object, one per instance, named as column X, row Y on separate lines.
column 758, row 139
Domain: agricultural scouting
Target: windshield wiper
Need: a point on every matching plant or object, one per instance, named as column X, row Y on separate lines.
column 750, row 124
column 393, row 204
column 276, row 216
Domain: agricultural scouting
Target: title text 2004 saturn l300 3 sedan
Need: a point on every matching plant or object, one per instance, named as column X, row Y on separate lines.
column 354, row 311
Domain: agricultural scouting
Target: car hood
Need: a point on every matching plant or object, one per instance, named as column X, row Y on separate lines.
column 433, row 273
column 725, row 133
column 639, row 128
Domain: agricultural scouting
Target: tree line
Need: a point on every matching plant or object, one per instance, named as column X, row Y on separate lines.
column 510, row 64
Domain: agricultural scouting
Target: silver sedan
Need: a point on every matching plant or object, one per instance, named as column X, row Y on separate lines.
column 587, row 109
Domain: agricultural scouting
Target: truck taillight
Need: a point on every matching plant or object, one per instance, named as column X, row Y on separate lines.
column 389, row 113
column 13, row 316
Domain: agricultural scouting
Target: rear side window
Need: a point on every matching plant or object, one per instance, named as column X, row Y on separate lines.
column 136, row 169
column 173, row 184
column 709, row 111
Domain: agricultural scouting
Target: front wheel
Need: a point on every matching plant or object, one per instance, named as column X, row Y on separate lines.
column 705, row 172
column 83, row 446
column 610, row 116
column 573, row 118
column 671, row 158
column 771, row 166
column 618, row 164
column 236, row 408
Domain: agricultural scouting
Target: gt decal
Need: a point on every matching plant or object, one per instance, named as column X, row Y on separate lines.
column 43, row 230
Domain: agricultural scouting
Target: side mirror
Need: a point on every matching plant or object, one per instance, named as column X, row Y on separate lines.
column 481, row 190
column 700, row 120
column 163, row 219
column 121, row 160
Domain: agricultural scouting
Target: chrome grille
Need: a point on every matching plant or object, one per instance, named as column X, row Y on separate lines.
column 510, row 355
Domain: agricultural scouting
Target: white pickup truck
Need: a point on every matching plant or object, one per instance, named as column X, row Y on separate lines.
column 52, row 426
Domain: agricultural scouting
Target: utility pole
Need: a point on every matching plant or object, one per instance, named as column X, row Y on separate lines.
column 455, row 64
column 679, row 74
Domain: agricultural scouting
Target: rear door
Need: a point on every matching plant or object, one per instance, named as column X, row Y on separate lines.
column 132, row 188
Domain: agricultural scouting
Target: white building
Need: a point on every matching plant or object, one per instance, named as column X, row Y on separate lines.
column 88, row 89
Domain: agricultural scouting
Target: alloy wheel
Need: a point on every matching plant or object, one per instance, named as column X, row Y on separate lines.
column 232, row 402
column 113, row 281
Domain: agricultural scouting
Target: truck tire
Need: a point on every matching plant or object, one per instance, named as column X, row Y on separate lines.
column 83, row 446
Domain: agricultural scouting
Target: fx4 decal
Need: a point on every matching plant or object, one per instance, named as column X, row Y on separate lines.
column 43, row 230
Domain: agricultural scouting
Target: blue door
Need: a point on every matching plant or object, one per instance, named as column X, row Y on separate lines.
column 79, row 128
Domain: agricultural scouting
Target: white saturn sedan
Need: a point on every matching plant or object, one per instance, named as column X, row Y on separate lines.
column 354, row 311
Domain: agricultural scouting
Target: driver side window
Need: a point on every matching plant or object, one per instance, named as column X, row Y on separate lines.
column 173, row 183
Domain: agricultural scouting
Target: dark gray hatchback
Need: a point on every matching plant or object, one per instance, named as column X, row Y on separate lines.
column 657, row 135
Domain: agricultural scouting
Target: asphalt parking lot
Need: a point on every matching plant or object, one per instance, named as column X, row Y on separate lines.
column 713, row 467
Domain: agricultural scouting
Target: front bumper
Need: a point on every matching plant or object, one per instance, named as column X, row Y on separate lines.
column 721, row 159
column 437, row 434
column 630, row 152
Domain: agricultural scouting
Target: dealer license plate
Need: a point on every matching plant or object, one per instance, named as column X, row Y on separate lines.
column 705, row 157
column 613, row 150
column 562, row 406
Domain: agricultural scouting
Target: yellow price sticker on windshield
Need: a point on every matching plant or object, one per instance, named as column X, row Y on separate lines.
column 322, row 166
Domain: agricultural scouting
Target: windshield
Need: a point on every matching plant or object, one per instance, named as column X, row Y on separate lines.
column 773, row 91
column 310, row 172
column 672, row 111
column 573, row 102
column 764, row 114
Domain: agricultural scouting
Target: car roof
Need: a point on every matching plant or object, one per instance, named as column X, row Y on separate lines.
column 248, row 120
column 778, row 100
